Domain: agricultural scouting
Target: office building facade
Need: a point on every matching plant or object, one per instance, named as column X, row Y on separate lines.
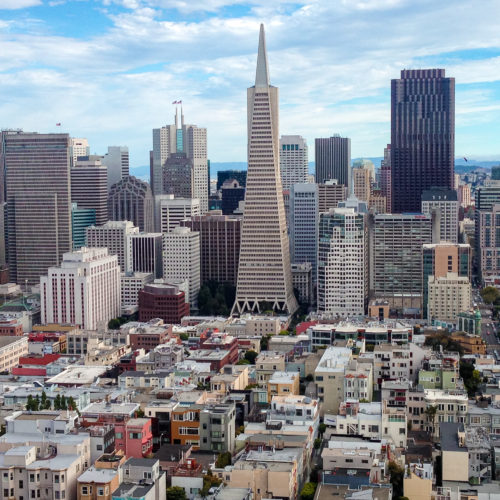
column 220, row 237
column 422, row 136
column 304, row 219
column 113, row 235
column 37, row 182
column 117, row 162
column 396, row 257
column 181, row 259
column 83, row 291
column 89, row 186
column 131, row 199
column 333, row 160
column 445, row 203
column 294, row 160
column 145, row 253
column 264, row 274
column 343, row 262
column 170, row 211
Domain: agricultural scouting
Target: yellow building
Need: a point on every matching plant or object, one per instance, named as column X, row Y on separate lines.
column 455, row 456
column 283, row 384
column 416, row 487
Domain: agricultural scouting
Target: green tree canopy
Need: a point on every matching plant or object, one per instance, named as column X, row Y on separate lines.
column 176, row 493
column 308, row 491
column 490, row 294
column 251, row 356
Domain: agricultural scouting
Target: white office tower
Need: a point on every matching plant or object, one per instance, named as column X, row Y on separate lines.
column 304, row 218
column 264, row 273
column 169, row 211
column 188, row 139
column 78, row 147
column 343, row 261
column 164, row 143
column 113, row 236
column 444, row 202
column 294, row 160
column 83, row 291
column 181, row 260
column 117, row 161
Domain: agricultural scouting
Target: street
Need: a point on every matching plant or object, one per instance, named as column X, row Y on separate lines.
column 489, row 328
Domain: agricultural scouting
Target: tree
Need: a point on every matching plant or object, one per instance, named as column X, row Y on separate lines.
column 45, row 402
column 184, row 336
column 264, row 342
column 176, row 493
column 322, row 428
column 139, row 413
column 317, row 443
column 57, row 402
column 243, row 362
column 431, row 411
column 396, row 474
column 490, row 294
column 308, row 491
column 471, row 377
column 64, row 403
column 209, row 481
column 251, row 356
column 114, row 324
column 223, row 460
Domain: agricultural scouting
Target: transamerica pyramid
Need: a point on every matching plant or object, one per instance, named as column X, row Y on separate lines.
column 264, row 273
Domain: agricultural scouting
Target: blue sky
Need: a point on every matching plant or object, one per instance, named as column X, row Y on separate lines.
column 109, row 70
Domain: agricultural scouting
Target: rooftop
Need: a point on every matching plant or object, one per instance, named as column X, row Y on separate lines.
column 93, row 475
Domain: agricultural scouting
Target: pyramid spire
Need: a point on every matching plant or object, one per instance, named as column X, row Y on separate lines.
column 262, row 73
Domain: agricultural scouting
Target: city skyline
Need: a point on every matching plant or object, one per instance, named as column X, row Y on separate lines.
column 69, row 62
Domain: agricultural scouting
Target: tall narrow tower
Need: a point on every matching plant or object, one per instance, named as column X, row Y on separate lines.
column 264, row 273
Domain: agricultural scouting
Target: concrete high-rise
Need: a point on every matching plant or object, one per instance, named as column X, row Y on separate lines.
column 264, row 273
column 304, row 217
column 361, row 179
column 145, row 253
column 440, row 259
column 81, row 219
column 178, row 176
column 487, row 244
column 385, row 177
column 37, row 179
column 333, row 160
column 117, row 161
column 343, row 261
column 170, row 211
column 190, row 140
column 89, row 186
column 113, row 235
column 181, row 259
column 422, row 136
column 131, row 199
column 396, row 258
column 83, row 291
column 445, row 203
column 294, row 160
column 78, row 147
column 330, row 194
column 219, row 245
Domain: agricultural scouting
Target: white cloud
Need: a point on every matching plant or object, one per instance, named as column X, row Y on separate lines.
column 333, row 62
column 18, row 4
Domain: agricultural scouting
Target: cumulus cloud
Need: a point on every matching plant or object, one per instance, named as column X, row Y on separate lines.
column 18, row 4
column 333, row 62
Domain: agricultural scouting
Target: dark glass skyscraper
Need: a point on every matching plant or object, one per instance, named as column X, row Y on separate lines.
column 333, row 159
column 422, row 135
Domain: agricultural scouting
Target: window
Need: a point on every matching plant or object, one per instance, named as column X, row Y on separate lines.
column 86, row 490
column 147, row 475
column 100, row 492
column 119, row 435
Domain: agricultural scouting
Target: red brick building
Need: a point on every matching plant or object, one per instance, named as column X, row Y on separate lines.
column 162, row 301
column 148, row 337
